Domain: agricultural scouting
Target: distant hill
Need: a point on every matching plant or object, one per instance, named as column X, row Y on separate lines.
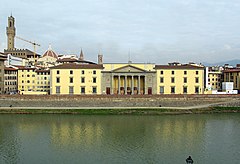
column 230, row 62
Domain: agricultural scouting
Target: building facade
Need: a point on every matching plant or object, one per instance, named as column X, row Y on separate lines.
column 2, row 59
column 177, row 78
column 42, row 80
column 26, row 79
column 75, row 78
column 10, row 80
column 128, row 79
column 214, row 79
column 232, row 75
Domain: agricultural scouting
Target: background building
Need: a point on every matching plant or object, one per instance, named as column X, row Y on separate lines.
column 232, row 75
column 10, row 80
column 2, row 59
column 177, row 78
column 22, row 53
column 214, row 78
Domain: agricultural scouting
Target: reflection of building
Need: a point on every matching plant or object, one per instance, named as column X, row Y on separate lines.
column 177, row 78
column 2, row 59
column 129, row 78
column 10, row 80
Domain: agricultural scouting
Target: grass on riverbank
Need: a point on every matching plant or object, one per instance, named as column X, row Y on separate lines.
column 128, row 111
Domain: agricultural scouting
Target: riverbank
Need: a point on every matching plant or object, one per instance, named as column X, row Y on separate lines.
column 120, row 111
column 117, row 105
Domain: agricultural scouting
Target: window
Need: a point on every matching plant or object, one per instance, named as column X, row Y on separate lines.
column 161, row 80
column 94, row 72
column 185, row 72
column 83, row 72
column 28, row 75
column 172, row 80
column 184, row 89
column 58, row 80
column 172, row 89
column 28, row 81
column 33, row 75
column 94, row 89
column 161, row 89
column 70, row 90
column 184, row 80
column 82, row 90
column 45, row 78
column 161, row 72
column 71, row 72
column 172, row 72
column 196, row 72
column 58, row 72
column 71, row 79
column 58, row 89
column 197, row 80
column 83, row 80
column 94, row 79
column 197, row 90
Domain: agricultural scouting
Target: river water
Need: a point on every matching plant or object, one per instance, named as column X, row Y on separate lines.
column 53, row 138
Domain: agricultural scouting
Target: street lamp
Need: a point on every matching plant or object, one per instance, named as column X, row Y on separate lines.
column 189, row 160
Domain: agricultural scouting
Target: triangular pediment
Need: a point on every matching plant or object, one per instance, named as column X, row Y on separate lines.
column 129, row 68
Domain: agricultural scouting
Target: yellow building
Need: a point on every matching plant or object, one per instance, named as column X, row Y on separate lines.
column 42, row 81
column 128, row 78
column 76, row 78
column 33, row 81
column 177, row 78
column 214, row 79
column 26, row 79
column 2, row 59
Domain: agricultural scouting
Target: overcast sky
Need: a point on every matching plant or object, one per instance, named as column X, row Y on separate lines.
column 156, row 31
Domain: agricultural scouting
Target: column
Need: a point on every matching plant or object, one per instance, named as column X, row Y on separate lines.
column 145, row 86
column 132, row 85
column 125, row 85
column 139, row 78
column 112, row 85
column 119, row 78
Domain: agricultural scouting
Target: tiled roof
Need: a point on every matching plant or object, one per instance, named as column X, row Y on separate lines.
column 42, row 70
column 232, row 70
column 10, row 69
column 186, row 66
column 25, row 68
column 77, row 66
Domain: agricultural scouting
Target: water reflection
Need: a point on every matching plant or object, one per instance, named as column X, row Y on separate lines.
column 117, row 139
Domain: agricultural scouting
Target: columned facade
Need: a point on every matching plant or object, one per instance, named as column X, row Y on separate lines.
column 128, row 80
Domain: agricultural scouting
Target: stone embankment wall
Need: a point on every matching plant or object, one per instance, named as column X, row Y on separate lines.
column 114, row 100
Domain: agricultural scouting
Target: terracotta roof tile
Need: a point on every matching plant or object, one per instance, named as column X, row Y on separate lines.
column 77, row 66
column 186, row 66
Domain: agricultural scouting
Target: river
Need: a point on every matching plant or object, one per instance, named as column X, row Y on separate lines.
column 166, row 139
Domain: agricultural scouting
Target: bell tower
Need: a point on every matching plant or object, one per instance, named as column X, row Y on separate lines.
column 11, row 32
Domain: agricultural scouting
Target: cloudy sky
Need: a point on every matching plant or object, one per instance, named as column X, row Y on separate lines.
column 156, row 31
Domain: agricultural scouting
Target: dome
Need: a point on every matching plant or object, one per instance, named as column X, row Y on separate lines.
column 50, row 53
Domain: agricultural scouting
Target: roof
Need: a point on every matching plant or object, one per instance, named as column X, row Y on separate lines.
column 10, row 69
column 77, row 66
column 185, row 66
column 72, row 60
column 128, row 66
column 231, row 70
column 25, row 68
column 50, row 53
column 42, row 70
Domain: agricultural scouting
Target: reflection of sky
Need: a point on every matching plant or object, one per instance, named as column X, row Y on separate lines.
column 154, row 31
